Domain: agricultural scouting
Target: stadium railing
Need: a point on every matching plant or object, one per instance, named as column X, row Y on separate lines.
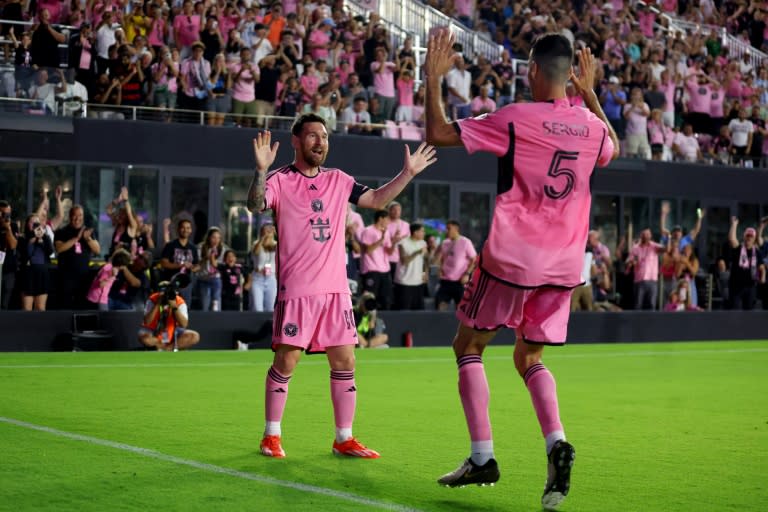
column 67, row 107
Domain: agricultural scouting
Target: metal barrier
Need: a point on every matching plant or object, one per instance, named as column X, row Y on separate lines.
column 417, row 19
column 67, row 107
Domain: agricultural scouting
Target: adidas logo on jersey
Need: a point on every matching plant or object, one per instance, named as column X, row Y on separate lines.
column 312, row 187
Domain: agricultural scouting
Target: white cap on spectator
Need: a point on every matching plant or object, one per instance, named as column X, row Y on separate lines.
column 527, row 10
column 613, row 80
column 608, row 6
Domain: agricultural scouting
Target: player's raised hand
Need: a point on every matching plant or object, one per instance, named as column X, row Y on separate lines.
column 440, row 53
column 585, row 81
column 423, row 157
column 264, row 151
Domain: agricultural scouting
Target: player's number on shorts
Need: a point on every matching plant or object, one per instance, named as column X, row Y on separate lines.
column 557, row 170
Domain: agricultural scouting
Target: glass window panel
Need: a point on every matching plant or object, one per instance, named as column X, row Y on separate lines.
column 189, row 200
column 99, row 186
column 475, row 216
column 406, row 200
column 749, row 215
column 240, row 226
column 13, row 187
column 673, row 219
column 434, row 202
column 605, row 219
column 718, row 222
column 142, row 191
column 636, row 216
column 45, row 180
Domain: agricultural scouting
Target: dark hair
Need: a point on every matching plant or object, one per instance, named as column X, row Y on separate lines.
column 553, row 54
column 182, row 221
column 121, row 258
column 4, row 203
column 453, row 222
column 298, row 125
column 228, row 252
column 415, row 226
column 379, row 214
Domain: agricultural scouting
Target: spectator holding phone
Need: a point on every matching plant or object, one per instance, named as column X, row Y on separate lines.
column 35, row 248
column 262, row 281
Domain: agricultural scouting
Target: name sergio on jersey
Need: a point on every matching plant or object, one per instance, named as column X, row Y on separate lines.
column 572, row 130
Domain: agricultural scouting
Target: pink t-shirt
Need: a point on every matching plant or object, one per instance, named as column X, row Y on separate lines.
column 659, row 133
column 477, row 104
column 311, row 217
column 243, row 89
column 405, row 93
column 734, row 86
column 646, row 19
column 188, row 28
column 321, row 37
column 637, row 123
column 100, row 294
column 85, row 55
column 646, row 258
column 700, row 96
column 455, row 257
column 378, row 260
column 716, row 103
column 155, row 35
column 464, row 7
column 393, row 228
column 548, row 152
column 669, row 94
column 356, row 220
column 309, row 84
column 384, row 82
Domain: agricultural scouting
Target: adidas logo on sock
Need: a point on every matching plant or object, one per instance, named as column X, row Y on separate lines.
column 279, row 390
column 351, row 389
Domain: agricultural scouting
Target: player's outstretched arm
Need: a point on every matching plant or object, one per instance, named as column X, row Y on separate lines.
column 413, row 164
column 439, row 60
column 264, row 152
column 585, row 86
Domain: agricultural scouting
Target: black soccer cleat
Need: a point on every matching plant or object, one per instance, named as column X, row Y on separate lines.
column 470, row 473
column 561, row 460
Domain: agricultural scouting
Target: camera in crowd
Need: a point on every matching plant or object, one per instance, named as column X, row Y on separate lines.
column 170, row 289
column 38, row 229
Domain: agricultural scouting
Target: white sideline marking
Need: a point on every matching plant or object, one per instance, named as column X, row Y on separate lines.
column 323, row 362
column 211, row 468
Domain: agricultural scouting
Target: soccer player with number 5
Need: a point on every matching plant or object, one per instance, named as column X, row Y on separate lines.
column 314, row 308
column 534, row 254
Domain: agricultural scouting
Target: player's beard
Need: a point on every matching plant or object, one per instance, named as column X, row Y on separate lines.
column 315, row 159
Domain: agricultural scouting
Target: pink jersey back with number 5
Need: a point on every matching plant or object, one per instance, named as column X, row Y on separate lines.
column 547, row 153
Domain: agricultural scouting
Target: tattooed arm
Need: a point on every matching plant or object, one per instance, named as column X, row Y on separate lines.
column 265, row 154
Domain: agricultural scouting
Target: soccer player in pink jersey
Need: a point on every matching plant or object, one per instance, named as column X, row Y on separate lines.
column 314, row 308
column 532, row 259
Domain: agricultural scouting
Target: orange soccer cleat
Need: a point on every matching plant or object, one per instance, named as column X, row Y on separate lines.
column 354, row 448
column 270, row 446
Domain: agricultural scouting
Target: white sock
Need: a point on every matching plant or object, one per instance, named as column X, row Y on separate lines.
column 552, row 438
column 482, row 452
column 272, row 428
column 342, row 434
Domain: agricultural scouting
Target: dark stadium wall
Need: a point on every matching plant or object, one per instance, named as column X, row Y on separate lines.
column 188, row 145
column 50, row 331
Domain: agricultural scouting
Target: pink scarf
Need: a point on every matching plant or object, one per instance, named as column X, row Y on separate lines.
column 747, row 262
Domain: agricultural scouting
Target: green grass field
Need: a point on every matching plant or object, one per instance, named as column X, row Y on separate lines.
column 657, row 427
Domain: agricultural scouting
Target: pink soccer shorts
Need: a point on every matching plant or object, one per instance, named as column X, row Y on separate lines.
column 539, row 315
column 315, row 322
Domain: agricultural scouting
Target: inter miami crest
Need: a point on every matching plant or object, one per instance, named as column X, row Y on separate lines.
column 317, row 205
column 320, row 229
column 291, row 330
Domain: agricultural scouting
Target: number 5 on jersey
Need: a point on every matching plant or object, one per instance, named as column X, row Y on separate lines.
column 556, row 170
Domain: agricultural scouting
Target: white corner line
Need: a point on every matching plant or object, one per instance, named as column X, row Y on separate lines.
column 211, row 468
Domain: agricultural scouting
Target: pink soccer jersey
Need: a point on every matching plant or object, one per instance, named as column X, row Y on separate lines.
column 455, row 257
column 393, row 228
column 378, row 260
column 311, row 215
column 547, row 153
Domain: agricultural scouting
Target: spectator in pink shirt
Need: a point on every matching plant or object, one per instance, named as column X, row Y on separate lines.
column 636, row 113
column 384, row 83
column 397, row 229
column 667, row 86
column 644, row 260
column 716, row 109
column 405, row 91
column 194, row 79
column 319, row 41
column 186, row 28
column 482, row 104
column 309, row 82
column 456, row 257
column 699, row 86
column 660, row 135
column 245, row 74
column 377, row 247
column 98, row 294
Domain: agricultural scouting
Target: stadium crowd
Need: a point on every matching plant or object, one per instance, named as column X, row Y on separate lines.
column 670, row 94
column 392, row 263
